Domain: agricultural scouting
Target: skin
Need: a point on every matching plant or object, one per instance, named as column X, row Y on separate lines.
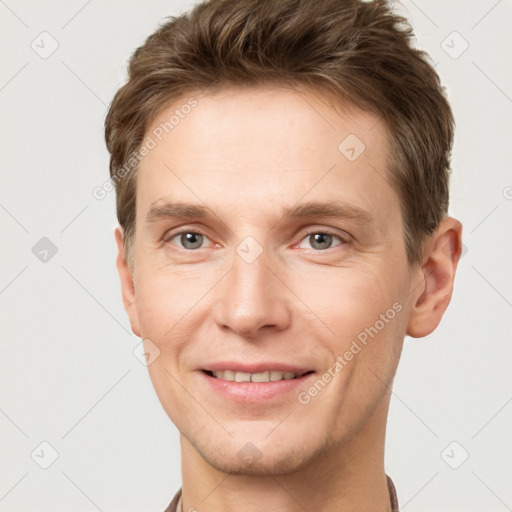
column 248, row 155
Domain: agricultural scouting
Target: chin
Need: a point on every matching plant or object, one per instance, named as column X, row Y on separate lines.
column 261, row 458
column 274, row 465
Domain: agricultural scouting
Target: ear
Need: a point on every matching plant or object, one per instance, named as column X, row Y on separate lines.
column 127, row 286
column 441, row 256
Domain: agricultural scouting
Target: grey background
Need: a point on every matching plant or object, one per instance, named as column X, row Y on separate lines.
column 68, row 374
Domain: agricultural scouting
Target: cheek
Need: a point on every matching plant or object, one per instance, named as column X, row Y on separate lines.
column 373, row 317
column 164, row 296
column 157, row 308
column 174, row 307
column 347, row 299
column 364, row 308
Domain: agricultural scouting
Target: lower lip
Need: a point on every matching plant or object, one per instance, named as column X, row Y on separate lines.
column 253, row 392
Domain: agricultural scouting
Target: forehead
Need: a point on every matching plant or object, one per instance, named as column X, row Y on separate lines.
column 265, row 145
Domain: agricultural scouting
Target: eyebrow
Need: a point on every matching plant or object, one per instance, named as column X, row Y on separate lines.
column 175, row 210
column 309, row 210
column 333, row 209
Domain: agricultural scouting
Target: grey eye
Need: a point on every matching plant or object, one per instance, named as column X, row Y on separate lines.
column 191, row 240
column 320, row 241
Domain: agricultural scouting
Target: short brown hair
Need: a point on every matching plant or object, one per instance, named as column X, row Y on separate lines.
column 359, row 51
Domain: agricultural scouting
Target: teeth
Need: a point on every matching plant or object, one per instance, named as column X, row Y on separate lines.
column 227, row 375
column 260, row 377
column 242, row 377
column 268, row 376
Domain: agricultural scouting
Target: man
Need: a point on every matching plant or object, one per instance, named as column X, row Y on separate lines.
column 281, row 171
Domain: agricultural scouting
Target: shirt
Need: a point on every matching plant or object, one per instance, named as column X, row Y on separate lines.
column 175, row 505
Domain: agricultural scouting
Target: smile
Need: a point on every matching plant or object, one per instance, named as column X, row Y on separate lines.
column 265, row 376
column 255, row 387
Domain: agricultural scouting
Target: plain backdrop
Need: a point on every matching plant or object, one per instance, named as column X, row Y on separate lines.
column 74, row 397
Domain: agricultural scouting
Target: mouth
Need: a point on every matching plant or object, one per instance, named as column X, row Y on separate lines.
column 258, row 386
column 263, row 376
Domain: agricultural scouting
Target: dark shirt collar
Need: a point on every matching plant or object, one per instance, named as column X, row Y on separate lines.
column 391, row 488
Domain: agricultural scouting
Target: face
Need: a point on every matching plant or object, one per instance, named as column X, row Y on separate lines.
column 269, row 240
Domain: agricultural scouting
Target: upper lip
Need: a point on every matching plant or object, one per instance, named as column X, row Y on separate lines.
column 255, row 367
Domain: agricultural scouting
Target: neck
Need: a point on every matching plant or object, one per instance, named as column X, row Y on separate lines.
column 349, row 476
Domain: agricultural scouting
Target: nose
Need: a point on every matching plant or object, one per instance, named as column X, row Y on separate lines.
column 252, row 300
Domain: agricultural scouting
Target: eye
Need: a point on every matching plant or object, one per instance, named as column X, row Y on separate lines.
column 189, row 240
column 320, row 241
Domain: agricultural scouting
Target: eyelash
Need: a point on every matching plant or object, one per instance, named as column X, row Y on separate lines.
column 170, row 236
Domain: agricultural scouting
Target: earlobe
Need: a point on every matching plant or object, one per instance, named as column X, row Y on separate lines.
column 127, row 284
column 440, row 259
